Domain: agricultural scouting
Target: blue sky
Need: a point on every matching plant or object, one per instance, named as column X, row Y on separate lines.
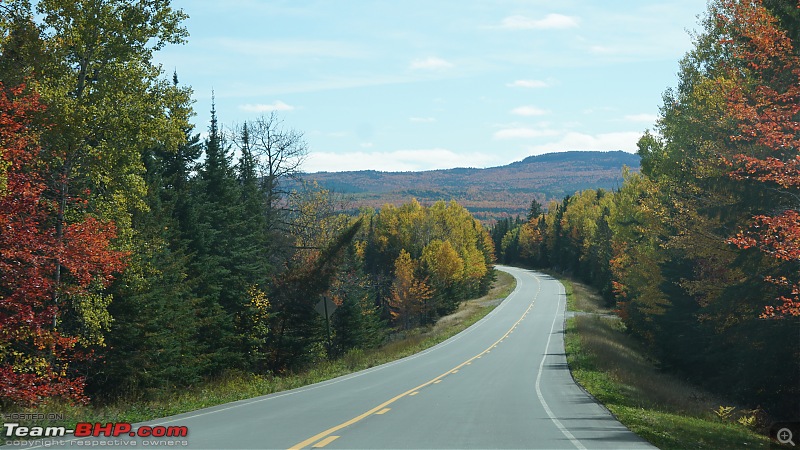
column 399, row 85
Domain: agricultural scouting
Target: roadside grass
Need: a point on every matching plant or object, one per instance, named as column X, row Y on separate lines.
column 616, row 369
column 239, row 386
column 580, row 297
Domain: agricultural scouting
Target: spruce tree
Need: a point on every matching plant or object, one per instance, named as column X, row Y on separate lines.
column 151, row 344
column 250, row 255
column 210, row 242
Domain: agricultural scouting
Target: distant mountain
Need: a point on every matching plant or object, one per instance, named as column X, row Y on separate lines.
column 492, row 193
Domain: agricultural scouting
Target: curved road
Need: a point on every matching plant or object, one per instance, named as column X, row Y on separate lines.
column 502, row 383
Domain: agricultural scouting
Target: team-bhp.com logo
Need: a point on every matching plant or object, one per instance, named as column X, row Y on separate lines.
column 87, row 429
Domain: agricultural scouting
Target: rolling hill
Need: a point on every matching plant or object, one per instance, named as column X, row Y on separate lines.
column 490, row 193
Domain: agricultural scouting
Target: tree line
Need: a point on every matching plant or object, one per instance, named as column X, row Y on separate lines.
column 700, row 252
column 136, row 257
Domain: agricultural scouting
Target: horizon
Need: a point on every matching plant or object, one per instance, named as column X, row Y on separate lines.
column 381, row 86
column 468, row 168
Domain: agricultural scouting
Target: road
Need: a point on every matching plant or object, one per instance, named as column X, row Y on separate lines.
column 502, row 383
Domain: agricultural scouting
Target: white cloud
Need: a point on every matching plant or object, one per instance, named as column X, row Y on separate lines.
column 366, row 145
column 523, row 133
column 288, row 48
column 430, row 63
column 528, row 84
column 528, row 111
column 625, row 141
column 396, row 161
column 262, row 107
column 649, row 118
column 549, row 22
column 422, row 119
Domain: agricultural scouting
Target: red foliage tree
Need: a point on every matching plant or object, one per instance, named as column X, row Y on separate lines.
column 765, row 106
column 35, row 357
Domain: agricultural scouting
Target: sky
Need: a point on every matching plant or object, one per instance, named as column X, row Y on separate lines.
column 399, row 85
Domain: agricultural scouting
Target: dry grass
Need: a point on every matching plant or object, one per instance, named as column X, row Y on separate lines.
column 626, row 361
column 588, row 300
column 501, row 289
column 618, row 371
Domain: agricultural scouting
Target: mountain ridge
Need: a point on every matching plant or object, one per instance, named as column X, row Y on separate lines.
column 489, row 193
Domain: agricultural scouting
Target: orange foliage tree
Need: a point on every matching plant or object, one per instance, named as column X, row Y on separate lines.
column 765, row 106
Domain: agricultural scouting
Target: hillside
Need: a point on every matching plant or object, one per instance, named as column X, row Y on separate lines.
column 490, row 193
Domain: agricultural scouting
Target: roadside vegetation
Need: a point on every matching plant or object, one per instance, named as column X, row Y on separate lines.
column 698, row 252
column 236, row 385
column 137, row 259
column 662, row 408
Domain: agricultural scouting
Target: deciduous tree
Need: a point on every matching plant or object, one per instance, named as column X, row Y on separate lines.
column 38, row 353
column 409, row 294
column 765, row 106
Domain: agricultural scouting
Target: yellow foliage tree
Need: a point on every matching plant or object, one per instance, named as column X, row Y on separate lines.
column 442, row 261
column 409, row 294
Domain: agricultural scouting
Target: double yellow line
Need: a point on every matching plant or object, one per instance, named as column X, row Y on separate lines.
column 325, row 434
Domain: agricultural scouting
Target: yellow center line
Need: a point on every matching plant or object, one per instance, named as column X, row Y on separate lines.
column 412, row 391
column 325, row 441
column 437, row 381
column 383, row 411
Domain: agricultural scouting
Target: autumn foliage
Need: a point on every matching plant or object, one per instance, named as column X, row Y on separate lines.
column 765, row 107
column 698, row 250
column 36, row 356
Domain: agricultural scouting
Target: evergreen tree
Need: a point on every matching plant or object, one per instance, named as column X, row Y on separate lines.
column 250, row 250
column 151, row 345
column 356, row 323
column 216, row 195
column 536, row 209
column 297, row 333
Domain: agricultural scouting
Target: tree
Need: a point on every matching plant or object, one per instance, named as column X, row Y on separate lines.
column 90, row 62
column 408, row 293
column 213, row 245
column 279, row 154
column 765, row 106
column 296, row 331
column 99, row 83
column 357, row 323
column 535, row 210
column 40, row 353
column 446, row 270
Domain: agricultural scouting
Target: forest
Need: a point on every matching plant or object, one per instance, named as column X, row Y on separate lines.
column 137, row 258
column 700, row 252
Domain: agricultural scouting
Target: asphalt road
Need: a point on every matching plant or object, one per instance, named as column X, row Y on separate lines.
column 502, row 383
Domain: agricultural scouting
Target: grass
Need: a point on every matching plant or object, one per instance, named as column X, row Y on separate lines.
column 617, row 370
column 237, row 386
column 580, row 297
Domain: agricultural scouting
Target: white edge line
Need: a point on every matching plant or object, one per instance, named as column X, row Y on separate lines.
column 549, row 412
